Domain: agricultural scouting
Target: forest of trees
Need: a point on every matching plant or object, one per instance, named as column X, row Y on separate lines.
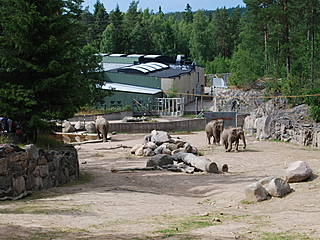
column 208, row 37
column 277, row 41
column 47, row 49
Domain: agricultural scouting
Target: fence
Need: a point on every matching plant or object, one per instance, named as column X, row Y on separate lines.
column 230, row 118
column 171, row 106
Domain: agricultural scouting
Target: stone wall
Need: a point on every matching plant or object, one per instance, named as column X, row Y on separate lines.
column 275, row 120
column 238, row 100
column 25, row 170
column 144, row 127
column 109, row 116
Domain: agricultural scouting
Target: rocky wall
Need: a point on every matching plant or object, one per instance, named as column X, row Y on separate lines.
column 275, row 120
column 28, row 169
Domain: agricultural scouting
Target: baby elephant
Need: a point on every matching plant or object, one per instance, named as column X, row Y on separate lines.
column 102, row 126
column 232, row 135
column 214, row 129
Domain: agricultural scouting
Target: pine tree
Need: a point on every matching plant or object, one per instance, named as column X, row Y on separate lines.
column 112, row 40
column 43, row 65
column 188, row 14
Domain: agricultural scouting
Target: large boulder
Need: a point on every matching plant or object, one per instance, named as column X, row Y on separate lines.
column 147, row 152
column 298, row 171
column 255, row 192
column 135, row 148
column 139, row 151
column 150, row 145
column 160, row 160
column 79, row 126
column 67, row 127
column 32, row 151
column 160, row 137
column 91, row 128
column 276, row 187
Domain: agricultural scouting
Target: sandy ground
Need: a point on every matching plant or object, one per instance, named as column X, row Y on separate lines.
column 167, row 205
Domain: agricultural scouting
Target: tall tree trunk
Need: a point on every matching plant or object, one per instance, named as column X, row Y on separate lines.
column 286, row 36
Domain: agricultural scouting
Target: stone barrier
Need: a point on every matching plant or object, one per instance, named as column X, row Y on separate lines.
column 144, row 127
column 25, row 170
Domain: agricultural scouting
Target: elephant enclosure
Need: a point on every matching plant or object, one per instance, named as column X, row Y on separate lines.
column 167, row 205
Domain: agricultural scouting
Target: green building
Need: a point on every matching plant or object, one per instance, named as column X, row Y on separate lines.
column 144, row 78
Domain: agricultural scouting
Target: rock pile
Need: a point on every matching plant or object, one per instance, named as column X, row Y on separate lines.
column 160, row 142
column 276, row 187
column 24, row 170
column 267, row 188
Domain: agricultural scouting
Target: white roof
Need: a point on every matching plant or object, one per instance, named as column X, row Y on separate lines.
column 130, row 88
column 136, row 67
column 117, row 55
column 148, row 67
column 152, row 56
column 157, row 64
column 135, row 55
column 110, row 66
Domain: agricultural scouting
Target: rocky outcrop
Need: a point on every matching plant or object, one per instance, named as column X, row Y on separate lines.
column 238, row 100
column 25, row 170
column 274, row 120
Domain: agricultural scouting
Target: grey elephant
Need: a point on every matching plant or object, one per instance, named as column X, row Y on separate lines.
column 214, row 129
column 232, row 135
column 102, row 126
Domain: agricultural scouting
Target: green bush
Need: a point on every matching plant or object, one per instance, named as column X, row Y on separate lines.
column 314, row 103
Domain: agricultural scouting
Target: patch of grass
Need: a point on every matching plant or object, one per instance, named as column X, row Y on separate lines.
column 246, row 202
column 43, row 209
column 99, row 154
column 48, row 141
column 57, row 233
column 4, row 139
column 84, row 178
column 283, row 236
column 189, row 224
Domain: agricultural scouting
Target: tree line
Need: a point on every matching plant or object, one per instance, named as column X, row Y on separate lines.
column 48, row 49
column 276, row 41
column 208, row 37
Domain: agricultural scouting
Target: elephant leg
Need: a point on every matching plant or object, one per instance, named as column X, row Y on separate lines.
column 208, row 137
column 104, row 134
column 99, row 136
column 244, row 142
column 237, row 145
column 229, row 145
column 215, row 137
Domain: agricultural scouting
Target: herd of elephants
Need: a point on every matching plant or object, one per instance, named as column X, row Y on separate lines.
column 214, row 129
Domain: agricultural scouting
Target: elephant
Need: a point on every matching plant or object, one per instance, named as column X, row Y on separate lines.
column 232, row 135
column 102, row 127
column 214, row 129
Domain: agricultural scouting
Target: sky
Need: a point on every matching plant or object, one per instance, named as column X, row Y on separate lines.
column 167, row 5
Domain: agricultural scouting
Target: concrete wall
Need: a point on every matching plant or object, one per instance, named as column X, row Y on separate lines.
column 25, row 170
column 145, row 127
column 109, row 116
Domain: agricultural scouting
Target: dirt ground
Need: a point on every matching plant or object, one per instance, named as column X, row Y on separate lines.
column 167, row 205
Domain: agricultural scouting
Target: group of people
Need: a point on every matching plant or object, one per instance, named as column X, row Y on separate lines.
column 5, row 124
column 9, row 126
